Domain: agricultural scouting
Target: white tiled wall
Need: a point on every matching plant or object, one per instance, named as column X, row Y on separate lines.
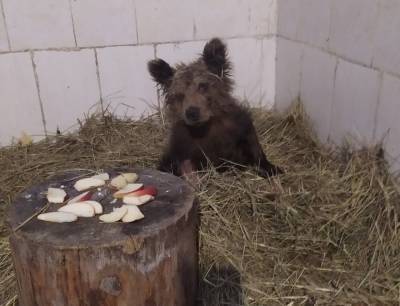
column 104, row 23
column 263, row 16
column 343, row 57
column 317, row 88
column 3, row 34
column 268, row 72
column 68, row 86
column 353, row 26
column 64, row 58
column 246, row 55
column 209, row 23
column 158, row 21
column 126, row 87
column 388, row 127
column 38, row 24
column 174, row 53
column 353, row 108
column 288, row 72
column 387, row 38
column 19, row 106
column 305, row 20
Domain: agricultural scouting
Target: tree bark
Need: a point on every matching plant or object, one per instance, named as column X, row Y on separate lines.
column 145, row 263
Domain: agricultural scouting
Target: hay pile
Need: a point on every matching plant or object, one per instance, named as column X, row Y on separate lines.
column 324, row 233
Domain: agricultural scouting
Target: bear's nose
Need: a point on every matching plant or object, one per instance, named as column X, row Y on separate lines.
column 192, row 113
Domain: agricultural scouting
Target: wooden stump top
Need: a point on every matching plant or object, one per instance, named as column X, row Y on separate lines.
column 173, row 202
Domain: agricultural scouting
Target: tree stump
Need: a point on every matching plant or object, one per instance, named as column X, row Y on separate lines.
column 149, row 262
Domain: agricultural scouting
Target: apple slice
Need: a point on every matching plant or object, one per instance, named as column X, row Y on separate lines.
column 130, row 177
column 88, row 183
column 114, row 216
column 81, row 197
column 118, row 182
column 56, row 195
column 58, row 217
column 81, row 209
column 98, row 209
column 126, row 190
column 148, row 190
column 133, row 214
column 103, row 176
column 137, row 200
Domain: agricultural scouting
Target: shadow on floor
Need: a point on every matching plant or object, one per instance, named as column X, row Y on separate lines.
column 220, row 286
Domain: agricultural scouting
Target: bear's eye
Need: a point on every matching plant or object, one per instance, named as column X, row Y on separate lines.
column 203, row 87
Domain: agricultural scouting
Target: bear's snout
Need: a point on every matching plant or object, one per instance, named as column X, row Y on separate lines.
column 192, row 114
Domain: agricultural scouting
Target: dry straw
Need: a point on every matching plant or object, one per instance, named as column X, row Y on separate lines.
column 324, row 233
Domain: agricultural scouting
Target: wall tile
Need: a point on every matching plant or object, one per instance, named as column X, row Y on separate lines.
column 387, row 39
column 287, row 73
column 262, row 17
column 20, row 107
column 273, row 17
column 316, row 92
column 246, row 57
column 165, row 20
column 268, row 72
column 222, row 18
column 125, row 82
column 3, row 34
column 288, row 18
column 174, row 53
column 354, row 103
column 314, row 22
column 353, row 28
column 388, row 127
column 307, row 21
column 39, row 24
column 103, row 23
column 68, row 86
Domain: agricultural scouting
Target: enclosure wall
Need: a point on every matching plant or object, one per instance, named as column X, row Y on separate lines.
column 62, row 58
column 342, row 58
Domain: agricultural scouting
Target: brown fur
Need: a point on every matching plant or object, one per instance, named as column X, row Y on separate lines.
column 209, row 126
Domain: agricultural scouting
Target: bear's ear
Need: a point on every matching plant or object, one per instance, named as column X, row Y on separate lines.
column 161, row 72
column 216, row 58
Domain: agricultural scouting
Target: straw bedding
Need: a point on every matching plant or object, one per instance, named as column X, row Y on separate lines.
column 324, row 233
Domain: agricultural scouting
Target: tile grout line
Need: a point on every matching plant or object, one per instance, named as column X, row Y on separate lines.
column 136, row 21
column 333, row 99
column 374, row 37
column 78, row 48
column 5, row 24
column 377, row 107
column 328, row 41
column 73, row 22
column 301, row 73
column 38, row 92
column 98, row 80
column 342, row 57
column 157, row 89
column 276, row 13
column 275, row 72
column 263, row 66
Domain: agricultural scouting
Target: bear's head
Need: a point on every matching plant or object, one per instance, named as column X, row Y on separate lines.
column 198, row 91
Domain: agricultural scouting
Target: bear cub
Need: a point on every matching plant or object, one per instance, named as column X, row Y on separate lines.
column 208, row 125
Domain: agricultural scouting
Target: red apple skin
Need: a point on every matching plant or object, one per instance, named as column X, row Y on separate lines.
column 87, row 196
column 121, row 195
column 150, row 190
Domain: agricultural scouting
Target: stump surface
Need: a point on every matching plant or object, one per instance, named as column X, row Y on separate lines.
column 149, row 262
